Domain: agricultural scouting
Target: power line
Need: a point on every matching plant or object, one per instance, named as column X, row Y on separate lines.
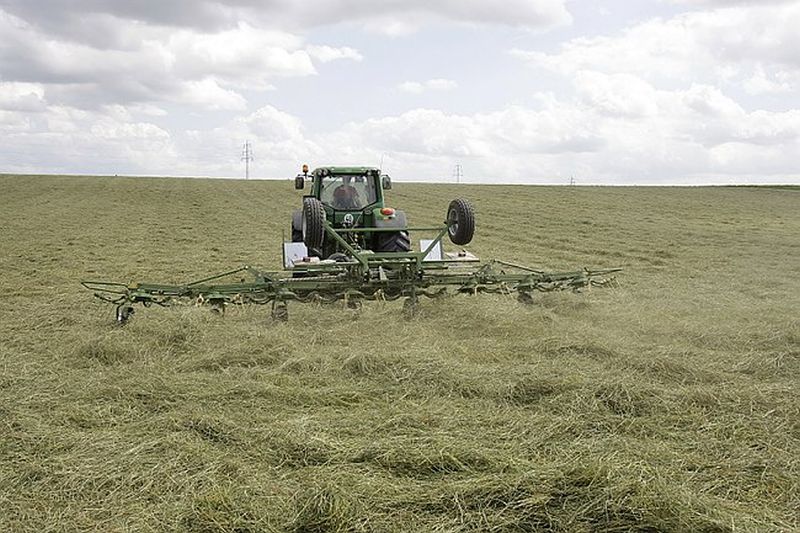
column 247, row 156
column 458, row 173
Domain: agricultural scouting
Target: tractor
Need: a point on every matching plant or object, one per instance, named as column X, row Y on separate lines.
column 348, row 245
column 352, row 199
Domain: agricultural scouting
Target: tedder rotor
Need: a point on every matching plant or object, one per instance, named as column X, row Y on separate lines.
column 348, row 246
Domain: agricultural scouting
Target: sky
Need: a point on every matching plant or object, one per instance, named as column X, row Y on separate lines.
column 521, row 91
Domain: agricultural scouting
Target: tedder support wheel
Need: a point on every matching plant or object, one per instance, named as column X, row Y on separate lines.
column 313, row 223
column 124, row 313
column 394, row 242
column 461, row 218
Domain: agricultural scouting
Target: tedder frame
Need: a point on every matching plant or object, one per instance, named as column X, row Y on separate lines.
column 354, row 276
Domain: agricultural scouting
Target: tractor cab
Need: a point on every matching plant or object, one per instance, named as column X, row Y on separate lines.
column 346, row 188
column 348, row 198
column 345, row 192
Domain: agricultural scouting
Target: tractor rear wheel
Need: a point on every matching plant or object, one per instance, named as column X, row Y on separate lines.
column 394, row 242
column 313, row 223
column 461, row 219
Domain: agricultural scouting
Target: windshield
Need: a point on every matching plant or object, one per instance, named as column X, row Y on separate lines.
column 348, row 192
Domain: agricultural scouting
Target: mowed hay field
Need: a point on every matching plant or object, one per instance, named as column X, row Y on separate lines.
column 670, row 403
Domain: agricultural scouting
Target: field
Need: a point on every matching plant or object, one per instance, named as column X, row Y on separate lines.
column 670, row 403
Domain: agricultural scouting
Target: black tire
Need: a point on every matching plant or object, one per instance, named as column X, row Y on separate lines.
column 297, row 226
column 313, row 223
column 461, row 217
column 394, row 242
column 339, row 257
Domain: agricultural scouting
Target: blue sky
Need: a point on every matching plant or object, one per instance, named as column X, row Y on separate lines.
column 524, row 91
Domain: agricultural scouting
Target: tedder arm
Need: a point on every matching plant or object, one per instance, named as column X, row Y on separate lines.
column 365, row 276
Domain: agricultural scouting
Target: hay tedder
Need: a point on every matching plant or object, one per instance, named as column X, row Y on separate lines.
column 347, row 246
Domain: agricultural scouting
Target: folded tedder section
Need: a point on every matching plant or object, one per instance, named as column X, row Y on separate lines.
column 353, row 276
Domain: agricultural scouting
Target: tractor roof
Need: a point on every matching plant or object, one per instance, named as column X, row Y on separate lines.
column 346, row 170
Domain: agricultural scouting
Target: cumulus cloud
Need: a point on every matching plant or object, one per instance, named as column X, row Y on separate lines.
column 65, row 139
column 694, row 135
column 673, row 100
column 719, row 46
column 17, row 96
column 325, row 54
column 660, row 92
column 70, row 19
column 675, row 136
column 279, row 140
column 419, row 87
column 160, row 64
column 778, row 82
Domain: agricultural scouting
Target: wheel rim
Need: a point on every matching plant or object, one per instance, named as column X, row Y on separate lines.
column 452, row 218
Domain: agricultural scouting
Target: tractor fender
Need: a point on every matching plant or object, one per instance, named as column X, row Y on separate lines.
column 398, row 221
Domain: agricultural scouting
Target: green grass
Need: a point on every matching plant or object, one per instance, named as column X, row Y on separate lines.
column 668, row 404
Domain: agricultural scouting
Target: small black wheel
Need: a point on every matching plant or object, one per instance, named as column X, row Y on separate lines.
column 313, row 223
column 410, row 307
column 124, row 313
column 525, row 298
column 394, row 242
column 280, row 312
column 461, row 219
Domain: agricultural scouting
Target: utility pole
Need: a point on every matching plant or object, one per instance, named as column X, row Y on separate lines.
column 458, row 173
column 247, row 156
column 572, row 181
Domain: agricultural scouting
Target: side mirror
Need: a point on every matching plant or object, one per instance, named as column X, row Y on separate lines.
column 299, row 182
column 386, row 182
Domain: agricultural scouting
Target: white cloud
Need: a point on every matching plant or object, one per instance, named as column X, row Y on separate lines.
column 207, row 94
column 419, row 87
column 693, row 135
column 20, row 96
column 154, row 64
column 616, row 95
column 763, row 83
column 719, row 46
column 279, row 141
column 660, row 93
column 661, row 101
column 326, row 54
column 64, row 139
column 70, row 18
column 244, row 56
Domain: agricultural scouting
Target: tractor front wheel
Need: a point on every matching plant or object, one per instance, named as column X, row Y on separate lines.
column 313, row 223
column 394, row 242
column 461, row 221
column 297, row 225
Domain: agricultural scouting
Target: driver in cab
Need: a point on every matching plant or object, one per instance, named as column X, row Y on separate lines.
column 346, row 196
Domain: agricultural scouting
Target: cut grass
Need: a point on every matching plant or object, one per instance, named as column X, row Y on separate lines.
column 668, row 404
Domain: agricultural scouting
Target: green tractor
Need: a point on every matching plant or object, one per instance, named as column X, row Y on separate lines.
column 351, row 200
column 349, row 246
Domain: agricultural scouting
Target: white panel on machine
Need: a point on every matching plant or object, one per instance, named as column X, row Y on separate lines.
column 436, row 252
column 293, row 252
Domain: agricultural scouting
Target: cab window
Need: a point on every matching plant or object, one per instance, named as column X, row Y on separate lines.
column 348, row 192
